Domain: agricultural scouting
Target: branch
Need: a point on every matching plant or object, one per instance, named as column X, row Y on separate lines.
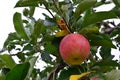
column 59, row 66
column 108, row 28
column 54, row 18
column 49, row 11
column 60, row 11
column 67, row 26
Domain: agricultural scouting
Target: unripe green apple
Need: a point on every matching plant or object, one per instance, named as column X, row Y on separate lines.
column 74, row 48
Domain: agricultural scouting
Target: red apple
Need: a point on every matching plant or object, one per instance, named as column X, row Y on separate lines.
column 74, row 48
column 94, row 78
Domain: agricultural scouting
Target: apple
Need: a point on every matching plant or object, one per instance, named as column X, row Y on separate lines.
column 74, row 48
column 94, row 78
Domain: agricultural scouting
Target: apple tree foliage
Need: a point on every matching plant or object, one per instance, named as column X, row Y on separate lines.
column 36, row 40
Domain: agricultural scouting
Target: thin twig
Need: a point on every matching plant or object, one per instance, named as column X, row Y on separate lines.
column 54, row 3
column 59, row 66
column 68, row 27
column 49, row 11
column 60, row 11
column 54, row 18
column 108, row 28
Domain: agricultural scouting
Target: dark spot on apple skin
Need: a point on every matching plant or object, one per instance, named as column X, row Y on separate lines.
column 76, row 58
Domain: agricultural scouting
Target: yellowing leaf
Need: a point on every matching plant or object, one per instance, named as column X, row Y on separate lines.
column 61, row 24
column 89, row 30
column 61, row 33
column 64, row 31
column 77, row 77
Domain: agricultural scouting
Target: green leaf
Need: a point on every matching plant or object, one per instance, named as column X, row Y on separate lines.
column 114, row 33
column 32, row 62
column 44, row 72
column 113, row 75
column 5, row 70
column 76, row 1
column 19, row 72
column 116, row 2
column 11, row 37
column 7, row 59
column 65, row 74
column 2, row 76
column 49, row 22
column 50, row 47
column 89, row 30
column 116, row 10
column 100, row 40
column 105, row 53
column 25, row 12
column 98, row 16
column 83, row 5
column 46, row 57
column 47, row 38
column 52, row 44
column 107, row 63
column 26, row 3
column 36, row 31
column 31, row 12
column 28, row 47
column 1, row 64
column 18, row 25
column 21, row 56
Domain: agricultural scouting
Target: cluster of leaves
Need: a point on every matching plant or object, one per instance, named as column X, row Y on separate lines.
column 35, row 40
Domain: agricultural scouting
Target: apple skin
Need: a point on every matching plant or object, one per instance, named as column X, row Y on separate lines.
column 94, row 78
column 74, row 48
